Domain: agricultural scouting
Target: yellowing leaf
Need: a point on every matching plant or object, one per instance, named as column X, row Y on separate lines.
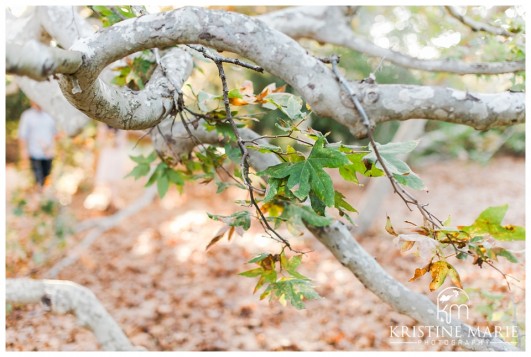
column 407, row 245
column 238, row 102
column 454, row 276
column 439, row 271
column 259, row 284
column 418, row 273
column 426, row 246
column 246, row 89
column 252, row 273
column 218, row 236
column 231, row 232
column 389, row 227
column 489, row 222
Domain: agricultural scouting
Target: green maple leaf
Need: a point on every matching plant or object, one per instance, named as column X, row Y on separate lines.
column 298, row 215
column 490, row 222
column 308, row 176
column 389, row 153
column 391, row 156
column 359, row 165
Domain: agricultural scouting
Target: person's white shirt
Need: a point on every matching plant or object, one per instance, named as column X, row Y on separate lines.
column 38, row 130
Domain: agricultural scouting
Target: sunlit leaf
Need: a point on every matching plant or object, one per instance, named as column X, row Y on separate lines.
column 426, row 246
column 297, row 215
column 410, row 180
column 259, row 258
column 139, row 171
column 389, row 152
column 252, row 273
column 308, row 175
column 238, row 219
column 489, row 222
column 358, row 164
column 419, row 272
column 499, row 251
column 288, row 103
column 454, row 276
column 218, row 236
column 162, row 186
column 439, row 271
column 207, row 102
column 339, row 202
column 389, row 227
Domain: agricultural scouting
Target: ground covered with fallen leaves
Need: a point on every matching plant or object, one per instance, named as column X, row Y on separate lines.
column 153, row 275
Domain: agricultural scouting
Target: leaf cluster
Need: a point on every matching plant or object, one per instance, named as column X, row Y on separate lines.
column 478, row 241
column 281, row 279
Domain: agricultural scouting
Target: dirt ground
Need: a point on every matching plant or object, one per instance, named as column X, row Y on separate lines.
column 153, row 275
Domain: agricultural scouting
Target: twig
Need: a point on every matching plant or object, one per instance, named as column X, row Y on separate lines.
column 217, row 58
column 398, row 189
column 117, row 13
column 477, row 25
column 289, row 135
column 245, row 156
column 139, row 10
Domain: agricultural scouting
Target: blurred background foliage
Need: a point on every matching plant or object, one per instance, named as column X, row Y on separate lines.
column 424, row 32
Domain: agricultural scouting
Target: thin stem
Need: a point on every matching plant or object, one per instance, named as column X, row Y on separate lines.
column 398, row 189
column 219, row 60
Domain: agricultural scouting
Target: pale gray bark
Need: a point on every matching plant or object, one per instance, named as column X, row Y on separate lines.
column 38, row 61
column 63, row 24
column 330, row 24
column 279, row 55
column 351, row 254
column 63, row 297
column 477, row 25
column 36, row 24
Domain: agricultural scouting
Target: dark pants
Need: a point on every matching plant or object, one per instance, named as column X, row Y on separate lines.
column 41, row 169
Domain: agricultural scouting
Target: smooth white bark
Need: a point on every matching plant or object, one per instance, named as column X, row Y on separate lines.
column 63, row 297
column 35, row 25
column 330, row 24
column 278, row 54
column 39, row 62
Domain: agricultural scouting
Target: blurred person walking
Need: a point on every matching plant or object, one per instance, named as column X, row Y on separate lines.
column 37, row 134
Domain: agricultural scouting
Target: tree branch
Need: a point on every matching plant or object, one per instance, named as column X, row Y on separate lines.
column 288, row 60
column 351, row 254
column 311, row 78
column 329, row 24
column 65, row 26
column 37, row 61
column 477, row 25
column 402, row 102
column 62, row 297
